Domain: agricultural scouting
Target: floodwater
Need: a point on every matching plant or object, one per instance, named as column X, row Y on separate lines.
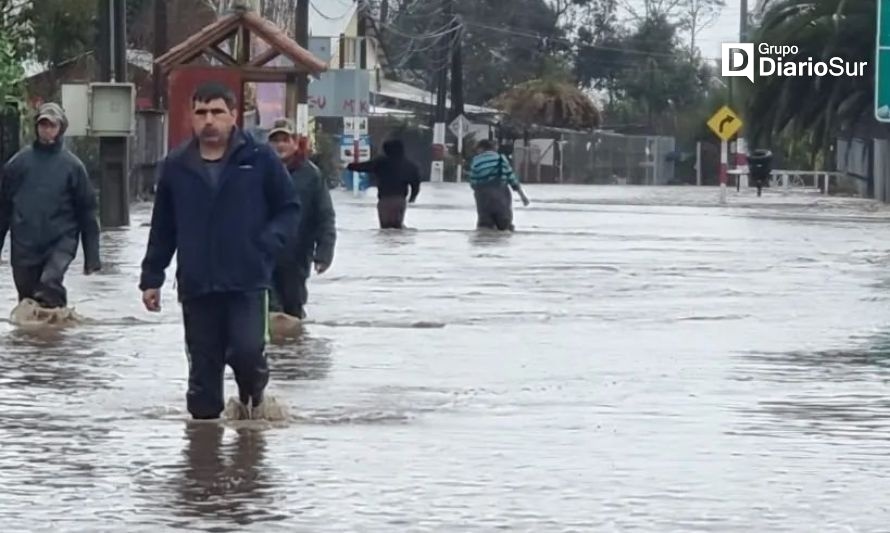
column 632, row 359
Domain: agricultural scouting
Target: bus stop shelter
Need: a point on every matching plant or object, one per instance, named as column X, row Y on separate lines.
column 234, row 70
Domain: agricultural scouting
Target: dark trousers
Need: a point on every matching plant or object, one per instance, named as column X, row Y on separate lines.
column 290, row 294
column 391, row 211
column 44, row 282
column 494, row 207
column 225, row 328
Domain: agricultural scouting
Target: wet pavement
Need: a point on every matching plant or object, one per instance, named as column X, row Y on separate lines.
column 631, row 359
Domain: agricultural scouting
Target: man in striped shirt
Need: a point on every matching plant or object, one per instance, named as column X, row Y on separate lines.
column 492, row 177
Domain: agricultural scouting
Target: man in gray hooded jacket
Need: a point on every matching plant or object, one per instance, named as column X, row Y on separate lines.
column 47, row 204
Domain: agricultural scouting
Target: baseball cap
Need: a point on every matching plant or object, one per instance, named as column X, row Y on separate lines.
column 51, row 112
column 282, row 125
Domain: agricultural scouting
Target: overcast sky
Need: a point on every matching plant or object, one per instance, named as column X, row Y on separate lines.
column 725, row 29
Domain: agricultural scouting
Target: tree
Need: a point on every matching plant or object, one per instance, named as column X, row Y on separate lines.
column 505, row 42
column 549, row 102
column 64, row 29
column 15, row 45
column 11, row 71
column 806, row 107
column 641, row 11
column 697, row 15
column 601, row 57
column 646, row 71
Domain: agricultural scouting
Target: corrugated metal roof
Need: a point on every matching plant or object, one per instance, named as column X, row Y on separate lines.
column 410, row 93
column 329, row 18
column 135, row 57
column 33, row 68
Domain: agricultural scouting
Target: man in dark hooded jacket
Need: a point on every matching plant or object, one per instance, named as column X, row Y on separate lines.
column 47, row 204
column 393, row 174
column 317, row 232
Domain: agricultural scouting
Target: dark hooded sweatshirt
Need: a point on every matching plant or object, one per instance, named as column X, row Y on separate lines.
column 46, row 196
column 393, row 173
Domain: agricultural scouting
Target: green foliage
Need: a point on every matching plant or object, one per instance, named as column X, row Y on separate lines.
column 777, row 112
column 64, row 29
column 505, row 42
column 11, row 71
column 648, row 74
column 15, row 45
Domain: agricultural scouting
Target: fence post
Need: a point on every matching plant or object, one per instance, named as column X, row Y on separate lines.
column 698, row 163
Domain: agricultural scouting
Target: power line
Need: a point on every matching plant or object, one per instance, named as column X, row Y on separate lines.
column 328, row 17
column 570, row 43
column 442, row 31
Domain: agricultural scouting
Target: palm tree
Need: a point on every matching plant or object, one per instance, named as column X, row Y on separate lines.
column 548, row 102
column 814, row 108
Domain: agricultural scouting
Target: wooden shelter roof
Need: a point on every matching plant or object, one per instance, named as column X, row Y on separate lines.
column 207, row 40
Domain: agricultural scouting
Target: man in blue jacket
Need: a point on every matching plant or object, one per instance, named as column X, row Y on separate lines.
column 225, row 205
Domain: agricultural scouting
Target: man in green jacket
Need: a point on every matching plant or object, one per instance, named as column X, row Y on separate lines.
column 317, row 233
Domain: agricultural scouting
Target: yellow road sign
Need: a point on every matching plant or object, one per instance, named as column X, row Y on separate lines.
column 725, row 123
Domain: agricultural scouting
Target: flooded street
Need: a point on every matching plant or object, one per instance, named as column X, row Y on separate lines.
column 632, row 359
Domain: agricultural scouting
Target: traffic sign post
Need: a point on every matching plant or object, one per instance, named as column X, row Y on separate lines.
column 724, row 123
column 882, row 64
column 458, row 127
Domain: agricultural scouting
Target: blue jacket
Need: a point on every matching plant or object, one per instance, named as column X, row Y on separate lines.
column 226, row 238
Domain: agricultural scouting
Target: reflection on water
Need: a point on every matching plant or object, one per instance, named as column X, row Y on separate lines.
column 631, row 359
column 225, row 481
column 489, row 238
column 307, row 358
column 834, row 393
column 396, row 239
column 54, row 359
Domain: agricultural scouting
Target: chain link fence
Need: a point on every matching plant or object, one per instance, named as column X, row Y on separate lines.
column 613, row 158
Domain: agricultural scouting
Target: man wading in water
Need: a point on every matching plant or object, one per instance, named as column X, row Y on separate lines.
column 317, row 233
column 47, row 203
column 491, row 178
column 393, row 175
column 226, row 205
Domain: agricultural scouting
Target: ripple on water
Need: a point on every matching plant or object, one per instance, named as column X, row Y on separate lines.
column 633, row 358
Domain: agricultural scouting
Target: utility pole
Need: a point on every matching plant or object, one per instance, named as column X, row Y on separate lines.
column 360, row 64
column 114, row 184
column 160, row 47
column 457, row 71
column 457, row 91
column 442, row 64
column 362, row 31
column 741, row 151
column 103, row 44
column 301, row 30
column 437, row 170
